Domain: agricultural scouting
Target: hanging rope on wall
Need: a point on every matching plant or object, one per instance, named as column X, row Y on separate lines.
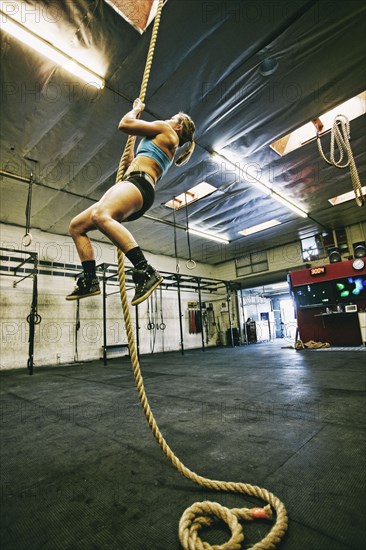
column 200, row 514
column 341, row 133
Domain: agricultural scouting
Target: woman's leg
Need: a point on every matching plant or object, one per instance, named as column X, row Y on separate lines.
column 88, row 285
column 122, row 200
column 117, row 204
column 78, row 229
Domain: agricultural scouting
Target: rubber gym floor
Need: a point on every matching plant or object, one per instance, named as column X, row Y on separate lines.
column 80, row 468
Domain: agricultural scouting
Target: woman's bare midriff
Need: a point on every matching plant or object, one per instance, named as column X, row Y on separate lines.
column 145, row 164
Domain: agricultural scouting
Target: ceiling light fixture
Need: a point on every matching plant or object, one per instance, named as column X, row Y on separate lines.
column 259, row 227
column 345, row 197
column 45, row 48
column 247, row 177
column 289, row 204
column 206, row 235
column 255, row 182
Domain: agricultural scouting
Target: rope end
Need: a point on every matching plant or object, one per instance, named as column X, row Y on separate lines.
column 261, row 513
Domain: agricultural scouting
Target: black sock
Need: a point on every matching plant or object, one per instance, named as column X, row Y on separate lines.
column 137, row 258
column 89, row 269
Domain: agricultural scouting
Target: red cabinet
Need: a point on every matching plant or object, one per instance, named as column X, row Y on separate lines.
column 321, row 296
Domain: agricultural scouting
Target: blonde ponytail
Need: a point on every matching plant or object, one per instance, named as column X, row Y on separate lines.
column 186, row 155
column 185, row 136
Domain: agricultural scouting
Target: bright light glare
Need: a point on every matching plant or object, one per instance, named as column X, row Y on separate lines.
column 41, row 46
column 251, row 179
column 290, row 205
column 210, row 236
column 259, row 227
column 243, row 173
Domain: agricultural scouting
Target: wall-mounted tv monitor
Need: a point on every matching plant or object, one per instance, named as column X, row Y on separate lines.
column 346, row 290
column 350, row 289
column 315, row 295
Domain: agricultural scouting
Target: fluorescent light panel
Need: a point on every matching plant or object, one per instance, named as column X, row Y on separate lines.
column 197, row 192
column 259, row 227
column 247, row 177
column 48, row 50
column 345, row 197
column 252, row 180
column 289, row 204
column 352, row 109
column 206, row 235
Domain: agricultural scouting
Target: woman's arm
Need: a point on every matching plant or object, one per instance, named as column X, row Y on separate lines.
column 130, row 124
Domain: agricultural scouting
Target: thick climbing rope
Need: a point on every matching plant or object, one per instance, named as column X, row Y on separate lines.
column 200, row 514
column 341, row 134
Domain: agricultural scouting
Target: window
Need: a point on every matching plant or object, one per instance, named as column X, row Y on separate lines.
column 138, row 14
column 313, row 248
column 352, row 108
column 255, row 262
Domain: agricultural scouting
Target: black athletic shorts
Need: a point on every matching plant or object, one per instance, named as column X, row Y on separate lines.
column 144, row 183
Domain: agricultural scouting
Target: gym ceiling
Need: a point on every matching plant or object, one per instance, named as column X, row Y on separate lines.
column 248, row 72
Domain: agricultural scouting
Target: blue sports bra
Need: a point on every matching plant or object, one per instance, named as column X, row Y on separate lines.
column 148, row 148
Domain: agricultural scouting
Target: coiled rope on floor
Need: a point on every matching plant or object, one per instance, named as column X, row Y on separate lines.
column 200, row 514
column 341, row 134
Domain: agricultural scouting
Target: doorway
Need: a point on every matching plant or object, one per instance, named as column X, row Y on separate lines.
column 288, row 319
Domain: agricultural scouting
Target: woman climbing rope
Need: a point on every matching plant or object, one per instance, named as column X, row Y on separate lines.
column 129, row 199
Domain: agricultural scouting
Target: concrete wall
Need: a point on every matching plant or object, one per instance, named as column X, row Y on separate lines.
column 289, row 256
column 55, row 336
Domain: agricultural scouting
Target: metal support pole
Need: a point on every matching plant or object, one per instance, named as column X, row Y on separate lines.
column 228, row 296
column 31, row 329
column 104, row 315
column 34, row 318
column 31, row 346
column 200, row 306
column 180, row 315
column 245, row 331
column 77, row 328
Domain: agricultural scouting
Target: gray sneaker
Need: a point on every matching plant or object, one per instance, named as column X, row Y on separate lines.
column 146, row 281
column 84, row 288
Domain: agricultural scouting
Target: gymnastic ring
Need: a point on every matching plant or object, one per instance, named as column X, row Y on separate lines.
column 27, row 239
column 36, row 318
column 191, row 264
column 162, row 326
column 150, row 326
